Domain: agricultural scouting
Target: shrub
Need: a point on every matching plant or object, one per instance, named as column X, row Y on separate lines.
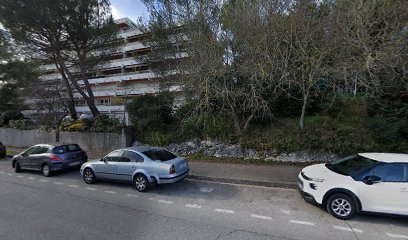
column 209, row 125
column 385, row 130
column 103, row 123
column 150, row 113
column 22, row 124
column 78, row 126
column 5, row 117
column 157, row 138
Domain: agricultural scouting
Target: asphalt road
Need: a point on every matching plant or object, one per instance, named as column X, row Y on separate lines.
column 64, row 207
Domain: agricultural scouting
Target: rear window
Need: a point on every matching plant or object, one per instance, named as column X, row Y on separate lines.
column 67, row 148
column 160, row 154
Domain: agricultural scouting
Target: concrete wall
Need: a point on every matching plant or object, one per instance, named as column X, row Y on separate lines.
column 89, row 141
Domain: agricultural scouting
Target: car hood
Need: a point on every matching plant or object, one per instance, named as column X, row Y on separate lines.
column 320, row 171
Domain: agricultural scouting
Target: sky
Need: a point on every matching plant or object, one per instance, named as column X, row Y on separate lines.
column 132, row 9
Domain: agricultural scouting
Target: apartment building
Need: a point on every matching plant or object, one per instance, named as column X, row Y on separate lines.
column 122, row 78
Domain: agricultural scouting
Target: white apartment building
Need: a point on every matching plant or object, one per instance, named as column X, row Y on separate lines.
column 123, row 77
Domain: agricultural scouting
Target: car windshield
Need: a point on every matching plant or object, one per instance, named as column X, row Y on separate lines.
column 160, row 154
column 351, row 165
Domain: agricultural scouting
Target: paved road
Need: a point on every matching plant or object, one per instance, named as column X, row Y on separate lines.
column 64, row 207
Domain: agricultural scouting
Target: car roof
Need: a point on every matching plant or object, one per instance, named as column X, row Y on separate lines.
column 386, row 157
column 141, row 148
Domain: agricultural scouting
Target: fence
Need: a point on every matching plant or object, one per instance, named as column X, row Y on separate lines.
column 89, row 141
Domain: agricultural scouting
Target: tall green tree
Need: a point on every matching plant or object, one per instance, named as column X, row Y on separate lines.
column 15, row 75
column 77, row 36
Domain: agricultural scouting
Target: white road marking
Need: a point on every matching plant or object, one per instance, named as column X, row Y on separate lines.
column 20, row 176
column 91, row 188
column 153, row 199
column 111, row 192
column 43, row 180
column 393, row 235
column 261, row 217
column 206, row 190
column 193, row 206
column 302, row 222
column 348, row 229
column 58, row 183
column 74, row 186
column 224, row 211
column 165, row 202
column 32, row 178
column 132, row 195
column 10, row 174
column 286, row 212
column 1, row 172
column 343, row 228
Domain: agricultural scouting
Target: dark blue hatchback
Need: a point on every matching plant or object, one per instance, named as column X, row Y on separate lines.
column 48, row 158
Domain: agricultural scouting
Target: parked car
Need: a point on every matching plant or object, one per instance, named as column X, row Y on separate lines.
column 48, row 158
column 366, row 182
column 3, row 150
column 141, row 166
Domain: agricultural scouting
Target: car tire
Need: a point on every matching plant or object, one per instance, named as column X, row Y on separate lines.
column 17, row 167
column 341, row 206
column 89, row 176
column 141, row 183
column 45, row 170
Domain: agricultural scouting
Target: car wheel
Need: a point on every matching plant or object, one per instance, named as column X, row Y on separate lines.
column 89, row 176
column 45, row 170
column 141, row 183
column 341, row 206
column 17, row 167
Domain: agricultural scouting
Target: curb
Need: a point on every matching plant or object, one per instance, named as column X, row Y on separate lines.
column 275, row 184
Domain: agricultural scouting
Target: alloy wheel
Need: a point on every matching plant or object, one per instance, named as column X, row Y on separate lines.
column 341, row 207
column 140, row 183
column 88, row 176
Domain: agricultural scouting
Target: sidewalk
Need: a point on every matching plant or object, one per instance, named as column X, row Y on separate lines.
column 283, row 175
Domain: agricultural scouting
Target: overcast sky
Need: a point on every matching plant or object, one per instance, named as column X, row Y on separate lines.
column 132, row 9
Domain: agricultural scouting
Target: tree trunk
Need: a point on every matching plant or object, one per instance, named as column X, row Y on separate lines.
column 57, row 134
column 90, row 102
column 302, row 115
column 71, row 103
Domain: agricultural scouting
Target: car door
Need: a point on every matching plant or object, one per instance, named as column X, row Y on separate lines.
column 40, row 156
column 24, row 159
column 390, row 194
column 130, row 161
column 107, row 168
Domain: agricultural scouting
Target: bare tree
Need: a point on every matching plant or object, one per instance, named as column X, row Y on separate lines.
column 52, row 106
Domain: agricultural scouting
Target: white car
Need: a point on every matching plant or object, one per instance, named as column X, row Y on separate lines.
column 366, row 182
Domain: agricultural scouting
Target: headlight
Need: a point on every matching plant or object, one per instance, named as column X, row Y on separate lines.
column 311, row 179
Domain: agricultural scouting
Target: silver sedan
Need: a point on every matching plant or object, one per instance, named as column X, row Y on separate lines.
column 141, row 166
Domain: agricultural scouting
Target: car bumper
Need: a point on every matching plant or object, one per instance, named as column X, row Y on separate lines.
column 308, row 197
column 66, row 165
column 164, row 180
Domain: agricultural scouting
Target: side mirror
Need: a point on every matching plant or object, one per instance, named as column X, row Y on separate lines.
column 102, row 160
column 370, row 180
column 24, row 154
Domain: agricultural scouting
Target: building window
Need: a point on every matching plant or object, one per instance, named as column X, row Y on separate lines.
column 103, row 102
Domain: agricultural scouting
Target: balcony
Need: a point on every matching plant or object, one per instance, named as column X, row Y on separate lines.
column 120, row 77
column 102, row 108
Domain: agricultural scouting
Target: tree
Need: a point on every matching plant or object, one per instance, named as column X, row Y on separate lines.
column 74, row 35
column 52, row 106
column 15, row 75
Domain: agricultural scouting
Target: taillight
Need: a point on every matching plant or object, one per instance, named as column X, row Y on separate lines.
column 55, row 158
column 172, row 169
